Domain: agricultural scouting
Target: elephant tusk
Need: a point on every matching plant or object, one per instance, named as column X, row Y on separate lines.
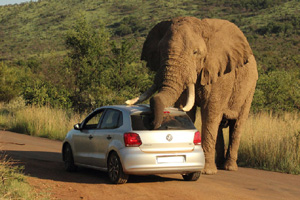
column 143, row 96
column 190, row 98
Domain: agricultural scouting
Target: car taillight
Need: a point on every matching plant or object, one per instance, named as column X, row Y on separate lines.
column 197, row 138
column 132, row 140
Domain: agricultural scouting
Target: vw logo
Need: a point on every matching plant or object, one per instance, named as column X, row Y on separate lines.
column 169, row 137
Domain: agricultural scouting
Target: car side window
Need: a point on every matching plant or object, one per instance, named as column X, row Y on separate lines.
column 93, row 120
column 112, row 119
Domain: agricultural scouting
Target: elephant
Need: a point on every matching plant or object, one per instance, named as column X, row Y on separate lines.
column 204, row 63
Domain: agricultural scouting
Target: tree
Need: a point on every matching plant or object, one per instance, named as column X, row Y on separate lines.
column 86, row 60
column 120, row 65
column 125, row 74
column 9, row 87
column 278, row 91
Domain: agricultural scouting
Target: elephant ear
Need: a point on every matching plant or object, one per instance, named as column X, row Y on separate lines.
column 227, row 49
column 150, row 52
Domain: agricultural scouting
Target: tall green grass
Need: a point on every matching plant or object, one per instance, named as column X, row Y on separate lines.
column 269, row 141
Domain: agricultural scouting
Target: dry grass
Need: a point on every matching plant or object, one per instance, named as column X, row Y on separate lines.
column 13, row 183
column 270, row 142
column 40, row 121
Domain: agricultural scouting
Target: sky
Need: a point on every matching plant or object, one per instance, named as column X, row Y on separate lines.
column 6, row 2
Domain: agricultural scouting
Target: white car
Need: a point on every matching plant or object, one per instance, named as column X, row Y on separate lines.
column 118, row 139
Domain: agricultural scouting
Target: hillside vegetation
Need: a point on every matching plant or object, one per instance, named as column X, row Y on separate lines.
column 82, row 54
column 61, row 58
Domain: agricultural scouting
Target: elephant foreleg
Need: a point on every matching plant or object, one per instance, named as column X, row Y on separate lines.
column 210, row 129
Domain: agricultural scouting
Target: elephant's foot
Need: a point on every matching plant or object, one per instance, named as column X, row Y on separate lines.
column 230, row 165
column 209, row 169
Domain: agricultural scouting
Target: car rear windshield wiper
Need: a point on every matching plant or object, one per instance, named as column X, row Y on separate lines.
column 171, row 128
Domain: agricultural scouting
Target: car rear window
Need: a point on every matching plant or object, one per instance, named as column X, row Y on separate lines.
column 170, row 122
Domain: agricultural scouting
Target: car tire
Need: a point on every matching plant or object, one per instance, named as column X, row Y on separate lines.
column 115, row 169
column 68, row 159
column 192, row 176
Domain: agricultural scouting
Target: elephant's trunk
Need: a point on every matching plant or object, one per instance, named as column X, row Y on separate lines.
column 161, row 100
column 175, row 80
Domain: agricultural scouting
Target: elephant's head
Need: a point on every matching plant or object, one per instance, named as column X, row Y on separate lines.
column 185, row 49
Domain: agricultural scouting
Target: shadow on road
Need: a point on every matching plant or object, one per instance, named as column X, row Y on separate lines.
column 49, row 165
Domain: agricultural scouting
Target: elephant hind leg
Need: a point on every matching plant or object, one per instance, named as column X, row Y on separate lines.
column 235, row 129
column 220, row 149
column 234, row 139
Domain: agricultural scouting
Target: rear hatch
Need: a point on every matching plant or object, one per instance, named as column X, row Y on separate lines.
column 176, row 133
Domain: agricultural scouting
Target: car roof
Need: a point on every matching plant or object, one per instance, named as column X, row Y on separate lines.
column 140, row 108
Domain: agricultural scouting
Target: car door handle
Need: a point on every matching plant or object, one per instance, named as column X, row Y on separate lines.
column 108, row 137
column 90, row 137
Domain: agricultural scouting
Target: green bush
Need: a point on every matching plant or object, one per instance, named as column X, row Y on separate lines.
column 250, row 4
column 41, row 93
column 88, row 49
column 276, row 27
column 277, row 91
column 129, row 25
column 9, row 83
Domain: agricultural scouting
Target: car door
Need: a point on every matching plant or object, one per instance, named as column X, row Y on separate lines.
column 83, row 140
column 111, row 121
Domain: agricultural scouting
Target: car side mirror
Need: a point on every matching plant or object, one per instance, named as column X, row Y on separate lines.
column 77, row 126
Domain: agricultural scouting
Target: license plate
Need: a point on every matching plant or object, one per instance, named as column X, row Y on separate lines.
column 171, row 159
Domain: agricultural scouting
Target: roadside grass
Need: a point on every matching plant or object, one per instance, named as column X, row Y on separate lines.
column 39, row 121
column 13, row 183
column 269, row 141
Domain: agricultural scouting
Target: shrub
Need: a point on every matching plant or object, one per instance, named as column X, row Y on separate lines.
column 253, row 4
column 86, row 60
column 277, row 91
column 129, row 25
column 9, row 83
column 41, row 93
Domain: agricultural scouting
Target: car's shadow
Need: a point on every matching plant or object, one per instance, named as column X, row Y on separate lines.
column 49, row 165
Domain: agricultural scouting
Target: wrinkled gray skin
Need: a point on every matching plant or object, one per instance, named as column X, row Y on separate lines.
column 213, row 56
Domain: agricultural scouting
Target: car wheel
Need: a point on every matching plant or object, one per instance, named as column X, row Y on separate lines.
column 192, row 176
column 68, row 159
column 115, row 170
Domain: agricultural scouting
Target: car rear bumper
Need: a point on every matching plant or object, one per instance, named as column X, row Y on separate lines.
column 136, row 162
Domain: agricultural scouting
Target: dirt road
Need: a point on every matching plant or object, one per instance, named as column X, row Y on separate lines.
column 42, row 160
